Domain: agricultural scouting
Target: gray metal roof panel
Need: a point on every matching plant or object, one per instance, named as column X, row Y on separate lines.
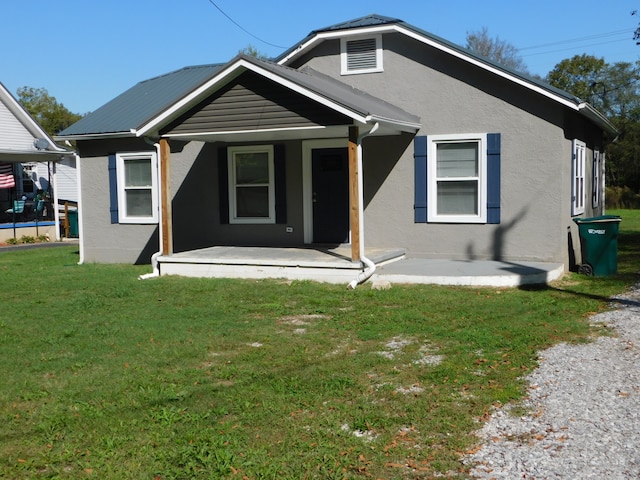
column 142, row 102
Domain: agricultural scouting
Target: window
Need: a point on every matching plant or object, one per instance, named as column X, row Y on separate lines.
column 578, row 167
column 137, row 187
column 361, row 55
column 457, row 172
column 251, row 184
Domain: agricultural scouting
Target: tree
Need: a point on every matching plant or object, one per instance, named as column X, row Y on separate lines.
column 614, row 89
column 580, row 75
column 52, row 116
column 254, row 52
column 496, row 49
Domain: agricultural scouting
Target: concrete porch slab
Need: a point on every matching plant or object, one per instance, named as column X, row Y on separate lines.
column 469, row 272
column 323, row 264
column 334, row 265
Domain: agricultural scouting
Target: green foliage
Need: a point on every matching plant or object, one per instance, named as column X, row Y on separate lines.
column 253, row 51
column 614, row 89
column 116, row 378
column 622, row 197
column 579, row 75
column 52, row 116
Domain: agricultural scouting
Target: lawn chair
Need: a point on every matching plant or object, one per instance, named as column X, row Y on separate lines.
column 17, row 210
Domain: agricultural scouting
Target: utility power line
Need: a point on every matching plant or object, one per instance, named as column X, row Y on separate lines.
column 242, row 28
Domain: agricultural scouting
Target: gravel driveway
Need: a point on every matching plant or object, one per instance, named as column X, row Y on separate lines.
column 585, row 410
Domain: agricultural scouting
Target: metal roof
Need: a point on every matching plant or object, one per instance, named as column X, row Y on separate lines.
column 142, row 102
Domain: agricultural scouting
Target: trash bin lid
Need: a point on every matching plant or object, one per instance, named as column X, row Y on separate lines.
column 600, row 219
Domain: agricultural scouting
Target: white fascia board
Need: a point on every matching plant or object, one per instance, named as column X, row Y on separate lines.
column 485, row 66
column 401, row 125
column 421, row 38
column 335, row 34
column 231, row 72
column 96, row 136
column 24, row 117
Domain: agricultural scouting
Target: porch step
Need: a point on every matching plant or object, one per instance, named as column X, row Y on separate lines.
column 332, row 265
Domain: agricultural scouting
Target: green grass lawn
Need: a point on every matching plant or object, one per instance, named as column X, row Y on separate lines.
column 106, row 376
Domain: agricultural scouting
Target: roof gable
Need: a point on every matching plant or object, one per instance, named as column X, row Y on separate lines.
column 21, row 137
column 373, row 24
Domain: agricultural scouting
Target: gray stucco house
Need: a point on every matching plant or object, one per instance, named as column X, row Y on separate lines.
column 369, row 136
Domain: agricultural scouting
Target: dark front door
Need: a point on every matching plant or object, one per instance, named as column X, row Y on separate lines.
column 330, row 172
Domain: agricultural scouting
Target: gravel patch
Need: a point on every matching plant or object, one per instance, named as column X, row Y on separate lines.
column 584, row 410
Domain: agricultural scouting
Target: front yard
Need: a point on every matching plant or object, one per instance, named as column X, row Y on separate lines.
column 106, row 376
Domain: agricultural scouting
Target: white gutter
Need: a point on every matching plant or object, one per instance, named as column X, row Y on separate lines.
column 370, row 267
column 155, row 272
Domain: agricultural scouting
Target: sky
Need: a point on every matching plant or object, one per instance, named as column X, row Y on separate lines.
column 86, row 52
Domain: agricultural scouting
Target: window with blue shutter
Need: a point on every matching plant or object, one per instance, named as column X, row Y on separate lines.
column 457, row 178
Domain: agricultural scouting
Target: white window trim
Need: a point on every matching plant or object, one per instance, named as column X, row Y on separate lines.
column 122, row 198
column 432, row 192
column 233, row 216
column 578, row 165
column 343, row 55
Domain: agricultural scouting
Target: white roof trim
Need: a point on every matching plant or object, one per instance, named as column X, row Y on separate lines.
column 34, row 128
column 228, row 74
column 421, row 38
column 231, row 72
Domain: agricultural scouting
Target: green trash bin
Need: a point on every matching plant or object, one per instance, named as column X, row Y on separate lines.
column 599, row 244
column 73, row 223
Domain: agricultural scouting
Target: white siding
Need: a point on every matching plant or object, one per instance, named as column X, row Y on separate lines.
column 66, row 180
column 13, row 136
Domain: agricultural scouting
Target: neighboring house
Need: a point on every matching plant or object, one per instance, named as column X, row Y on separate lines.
column 31, row 153
column 372, row 133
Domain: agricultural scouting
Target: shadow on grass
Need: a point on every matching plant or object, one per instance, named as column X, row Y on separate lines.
column 628, row 275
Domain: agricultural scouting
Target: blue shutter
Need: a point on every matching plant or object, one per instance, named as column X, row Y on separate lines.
column 223, row 185
column 420, row 179
column 280, row 178
column 113, row 189
column 493, row 178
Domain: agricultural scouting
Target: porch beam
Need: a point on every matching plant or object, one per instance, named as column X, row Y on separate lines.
column 354, row 197
column 166, row 223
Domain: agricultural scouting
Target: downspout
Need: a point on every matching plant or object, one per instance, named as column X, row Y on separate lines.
column 370, row 267
column 154, row 258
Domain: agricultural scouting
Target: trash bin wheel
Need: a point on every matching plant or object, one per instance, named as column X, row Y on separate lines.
column 586, row 269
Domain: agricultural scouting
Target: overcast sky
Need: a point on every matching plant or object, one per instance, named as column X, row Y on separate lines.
column 85, row 52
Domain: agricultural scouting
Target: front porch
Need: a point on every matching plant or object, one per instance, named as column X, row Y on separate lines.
column 334, row 265
column 317, row 263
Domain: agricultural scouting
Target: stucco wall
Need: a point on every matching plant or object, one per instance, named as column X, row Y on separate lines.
column 456, row 97
column 195, row 204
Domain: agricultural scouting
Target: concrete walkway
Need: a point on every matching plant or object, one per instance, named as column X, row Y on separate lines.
column 468, row 272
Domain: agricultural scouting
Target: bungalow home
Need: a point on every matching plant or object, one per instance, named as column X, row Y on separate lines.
column 29, row 159
column 367, row 138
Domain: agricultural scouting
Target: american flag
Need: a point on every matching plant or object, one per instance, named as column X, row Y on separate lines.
column 6, row 176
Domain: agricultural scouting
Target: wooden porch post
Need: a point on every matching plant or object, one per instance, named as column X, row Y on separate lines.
column 166, row 226
column 354, row 197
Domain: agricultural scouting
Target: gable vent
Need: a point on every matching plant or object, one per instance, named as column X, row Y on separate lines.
column 362, row 55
